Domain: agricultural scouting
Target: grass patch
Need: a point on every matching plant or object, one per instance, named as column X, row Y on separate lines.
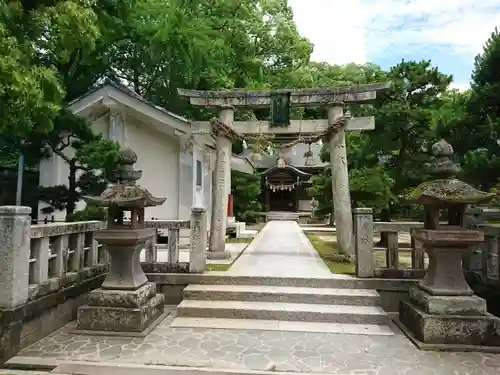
column 332, row 256
column 217, row 267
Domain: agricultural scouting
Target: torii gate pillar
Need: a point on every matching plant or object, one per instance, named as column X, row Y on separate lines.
column 340, row 183
column 221, row 189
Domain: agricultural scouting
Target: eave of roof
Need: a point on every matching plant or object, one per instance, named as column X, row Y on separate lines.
column 288, row 167
column 128, row 91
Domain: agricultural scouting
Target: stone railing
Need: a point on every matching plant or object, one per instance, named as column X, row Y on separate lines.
column 389, row 261
column 484, row 259
column 62, row 253
column 173, row 262
column 36, row 260
column 397, row 255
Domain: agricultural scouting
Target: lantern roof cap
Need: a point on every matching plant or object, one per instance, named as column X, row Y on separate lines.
column 445, row 190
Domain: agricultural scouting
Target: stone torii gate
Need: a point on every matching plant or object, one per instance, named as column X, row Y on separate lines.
column 226, row 130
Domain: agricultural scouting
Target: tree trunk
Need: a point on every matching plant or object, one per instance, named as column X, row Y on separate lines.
column 72, row 195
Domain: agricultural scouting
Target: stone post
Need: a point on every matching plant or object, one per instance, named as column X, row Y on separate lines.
column 15, row 232
column 340, row 183
column 222, row 188
column 363, row 241
column 198, row 240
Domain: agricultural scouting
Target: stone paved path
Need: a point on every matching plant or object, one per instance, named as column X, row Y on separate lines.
column 337, row 354
column 280, row 249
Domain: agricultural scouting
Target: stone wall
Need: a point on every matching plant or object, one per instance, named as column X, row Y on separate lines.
column 23, row 325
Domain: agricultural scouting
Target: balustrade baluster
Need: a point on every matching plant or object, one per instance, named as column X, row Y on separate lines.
column 78, row 252
column 392, row 256
column 417, row 254
column 492, row 250
column 151, row 250
column 173, row 245
column 485, row 255
column 93, row 255
column 60, row 249
column 41, row 253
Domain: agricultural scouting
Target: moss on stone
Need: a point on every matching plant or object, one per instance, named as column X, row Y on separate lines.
column 450, row 191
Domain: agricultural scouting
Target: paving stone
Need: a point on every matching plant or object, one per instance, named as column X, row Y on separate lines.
column 260, row 350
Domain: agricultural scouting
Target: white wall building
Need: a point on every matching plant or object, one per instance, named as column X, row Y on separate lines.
column 172, row 166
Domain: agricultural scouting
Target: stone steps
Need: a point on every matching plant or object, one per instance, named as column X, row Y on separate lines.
column 334, row 282
column 281, row 325
column 354, row 297
column 292, row 216
column 283, row 311
column 259, row 304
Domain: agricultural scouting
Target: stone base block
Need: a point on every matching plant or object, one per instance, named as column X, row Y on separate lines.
column 120, row 321
column 122, row 298
column 447, row 305
column 218, row 255
column 450, row 329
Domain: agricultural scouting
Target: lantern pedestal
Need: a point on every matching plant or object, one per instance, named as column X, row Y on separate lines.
column 126, row 304
column 443, row 310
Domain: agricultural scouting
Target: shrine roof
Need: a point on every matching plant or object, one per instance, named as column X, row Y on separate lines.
column 289, row 168
column 92, row 103
column 128, row 91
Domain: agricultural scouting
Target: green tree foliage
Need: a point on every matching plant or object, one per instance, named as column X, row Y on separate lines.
column 161, row 45
column 246, row 190
column 404, row 130
column 36, row 39
column 475, row 128
column 90, row 159
column 386, row 161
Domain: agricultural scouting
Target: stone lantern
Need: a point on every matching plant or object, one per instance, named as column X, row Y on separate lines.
column 443, row 308
column 127, row 302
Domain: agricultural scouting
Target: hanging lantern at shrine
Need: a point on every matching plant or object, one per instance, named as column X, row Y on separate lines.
column 281, row 163
column 308, row 155
column 280, row 108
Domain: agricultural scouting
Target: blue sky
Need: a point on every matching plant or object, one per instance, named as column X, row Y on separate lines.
column 448, row 32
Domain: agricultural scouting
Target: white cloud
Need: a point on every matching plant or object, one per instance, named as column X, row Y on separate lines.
column 352, row 30
column 463, row 25
column 335, row 27
column 460, row 86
